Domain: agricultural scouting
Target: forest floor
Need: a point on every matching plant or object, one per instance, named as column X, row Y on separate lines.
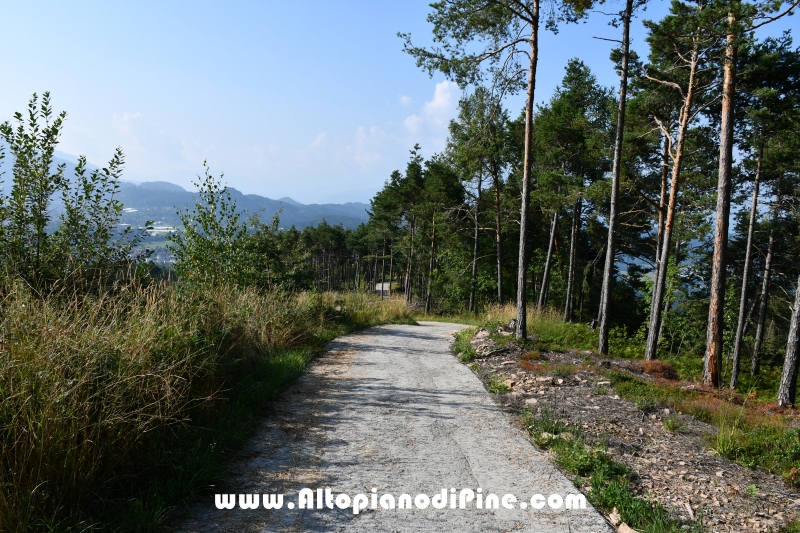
column 668, row 454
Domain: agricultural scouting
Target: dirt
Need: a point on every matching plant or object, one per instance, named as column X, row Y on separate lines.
column 676, row 469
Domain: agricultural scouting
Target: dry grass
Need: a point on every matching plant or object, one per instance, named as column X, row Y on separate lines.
column 89, row 386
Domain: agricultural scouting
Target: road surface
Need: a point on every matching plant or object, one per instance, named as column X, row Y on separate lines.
column 391, row 409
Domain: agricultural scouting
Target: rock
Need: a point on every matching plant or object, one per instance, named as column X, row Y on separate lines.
column 531, row 401
column 614, row 517
column 625, row 528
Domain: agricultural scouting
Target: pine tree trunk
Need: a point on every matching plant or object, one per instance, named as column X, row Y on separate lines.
column 661, row 206
column 391, row 264
column 573, row 258
column 737, row 342
column 471, row 307
column 548, row 264
column 383, row 266
column 430, row 265
column 787, row 387
column 409, row 280
column 765, row 285
column 654, row 328
column 498, row 239
column 712, row 365
column 521, row 331
column 608, row 271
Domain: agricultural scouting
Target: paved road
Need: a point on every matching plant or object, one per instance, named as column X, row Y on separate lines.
column 390, row 408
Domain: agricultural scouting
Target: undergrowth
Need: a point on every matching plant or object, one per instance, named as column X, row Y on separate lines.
column 605, row 482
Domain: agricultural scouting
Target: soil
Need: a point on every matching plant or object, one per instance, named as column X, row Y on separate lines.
column 676, row 469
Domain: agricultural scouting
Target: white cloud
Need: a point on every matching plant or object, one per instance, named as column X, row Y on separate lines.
column 436, row 113
column 405, row 101
column 413, row 123
column 320, row 141
column 368, row 147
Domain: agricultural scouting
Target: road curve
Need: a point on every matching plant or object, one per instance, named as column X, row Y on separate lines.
column 390, row 408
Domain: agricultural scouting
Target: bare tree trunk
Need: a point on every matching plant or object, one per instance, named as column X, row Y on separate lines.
column 716, row 311
column 787, row 388
column 409, row 281
column 765, row 284
column 737, row 342
column 497, row 236
column 391, row 264
column 383, row 266
column 573, row 258
column 608, row 271
column 548, row 264
column 472, row 306
column 430, row 265
column 659, row 283
column 661, row 202
column 521, row 331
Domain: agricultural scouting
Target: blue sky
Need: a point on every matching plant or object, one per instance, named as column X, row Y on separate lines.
column 312, row 100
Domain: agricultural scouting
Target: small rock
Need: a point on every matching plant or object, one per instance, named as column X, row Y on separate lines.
column 625, row 528
column 719, row 473
column 531, row 401
column 666, row 412
column 614, row 517
column 560, row 381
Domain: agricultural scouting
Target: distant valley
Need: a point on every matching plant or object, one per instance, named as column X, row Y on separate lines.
column 158, row 201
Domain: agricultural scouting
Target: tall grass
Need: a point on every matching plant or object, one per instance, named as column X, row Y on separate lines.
column 97, row 394
column 546, row 326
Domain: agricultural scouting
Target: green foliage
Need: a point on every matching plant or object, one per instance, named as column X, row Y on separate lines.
column 497, row 384
column 85, row 250
column 207, row 250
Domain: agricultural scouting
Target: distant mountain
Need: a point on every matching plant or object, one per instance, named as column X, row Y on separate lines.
column 158, row 201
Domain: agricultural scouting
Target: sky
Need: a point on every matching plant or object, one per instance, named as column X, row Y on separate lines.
column 314, row 100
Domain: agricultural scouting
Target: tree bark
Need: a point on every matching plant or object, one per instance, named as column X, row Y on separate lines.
column 430, row 265
column 787, row 387
column 472, row 306
column 409, row 280
column 498, row 239
column 661, row 202
column 391, row 265
column 383, row 266
column 548, row 264
column 737, row 342
column 654, row 328
column 608, row 271
column 716, row 311
column 765, row 285
column 521, row 331
column 573, row 257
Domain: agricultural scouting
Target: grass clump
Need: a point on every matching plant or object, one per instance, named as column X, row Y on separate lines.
column 673, row 423
column 115, row 409
column 497, row 384
column 461, row 345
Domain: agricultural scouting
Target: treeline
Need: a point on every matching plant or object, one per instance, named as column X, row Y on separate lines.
column 612, row 207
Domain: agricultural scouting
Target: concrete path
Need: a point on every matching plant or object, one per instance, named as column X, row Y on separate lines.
column 390, row 408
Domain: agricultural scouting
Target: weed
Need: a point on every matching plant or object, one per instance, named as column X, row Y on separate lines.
column 533, row 367
column 535, row 355
column 475, row 367
column 564, row 370
column 645, row 404
column 601, row 390
column 752, row 491
column 673, row 423
column 497, row 385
